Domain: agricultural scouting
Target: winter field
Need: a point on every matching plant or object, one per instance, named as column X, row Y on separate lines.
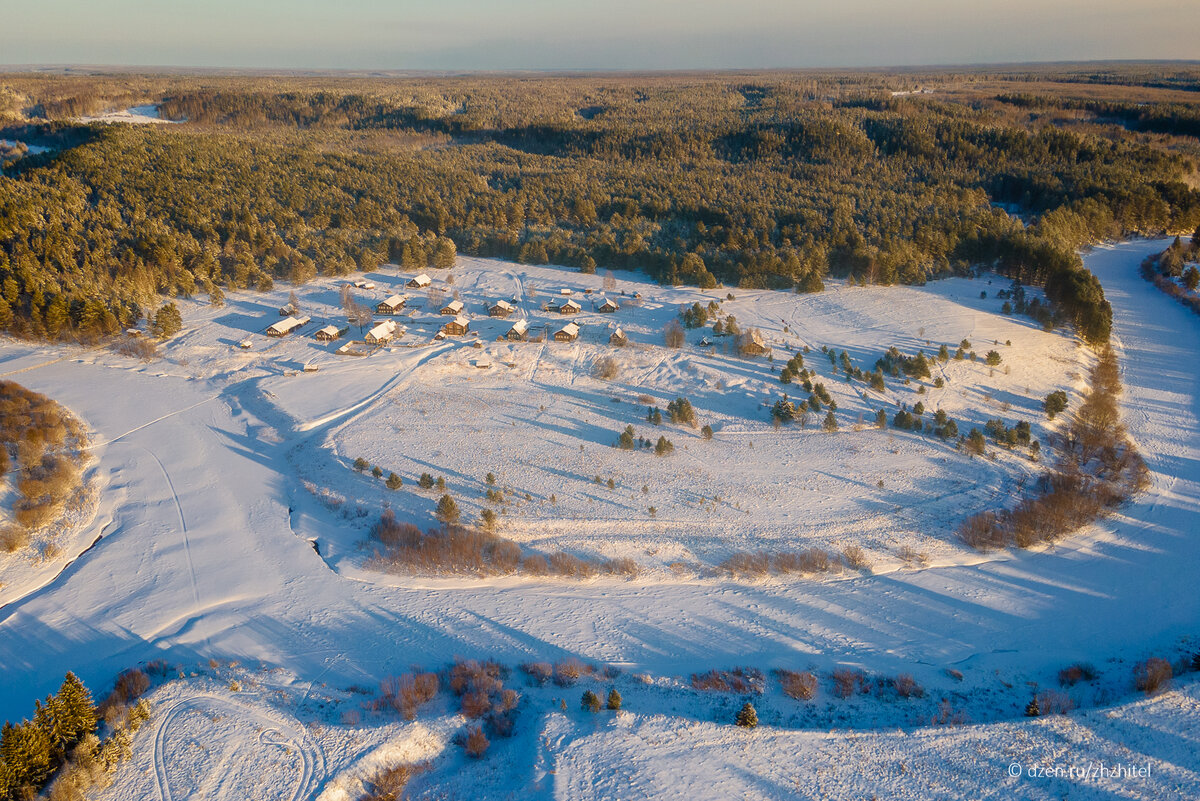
column 220, row 467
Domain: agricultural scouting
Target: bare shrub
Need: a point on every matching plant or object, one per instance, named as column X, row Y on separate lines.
column 564, row 564
column 1054, row 702
column 855, row 558
column 567, row 672
column 476, row 704
column 407, row 693
column 907, row 687
column 847, row 682
column 1152, row 675
column 910, row 556
column 540, row 672
column 801, row 686
column 1073, row 674
column 738, row 680
column 622, row 566
column 144, row 348
column 477, row 742
column 535, row 565
column 606, row 369
column 746, row 564
column 13, row 538
column 388, row 784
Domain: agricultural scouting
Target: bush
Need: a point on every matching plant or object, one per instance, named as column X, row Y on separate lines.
column 854, row 558
column 407, row 693
column 706, row 431
column 907, row 687
column 606, row 369
column 394, row 482
column 377, row 471
column 737, row 680
column 746, row 717
column 1080, row 671
column 388, row 784
column 847, row 682
column 801, row 686
column 424, row 482
column 361, row 464
column 477, row 742
column 1152, row 675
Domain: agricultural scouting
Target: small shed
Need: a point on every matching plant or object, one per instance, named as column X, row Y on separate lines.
column 420, row 281
column 568, row 333
column 361, row 284
column 482, row 363
column 618, row 338
column 132, row 332
column 705, row 342
column 607, row 306
column 328, row 334
column 381, row 334
column 245, row 344
column 564, row 292
column 570, row 307
column 501, row 308
column 287, row 311
column 518, row 331
column 454, row 307
column 391, row 305
column 285, row 327
column 457, row 327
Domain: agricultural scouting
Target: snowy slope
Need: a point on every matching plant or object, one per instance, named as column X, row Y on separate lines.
column 201, row 558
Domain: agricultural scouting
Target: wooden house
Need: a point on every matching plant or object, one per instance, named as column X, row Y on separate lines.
column 618, row 338
column 454, row 307
column 752, row 344
column 328, row 334
column 518, row 331
column 381, row 334
column 285, row 327
column 287, row 311
column 501, row 308
column 420, row 282
column 568, row 333
column 456, row 327
column 391, row 305
column 570, row 307
column 607, row 306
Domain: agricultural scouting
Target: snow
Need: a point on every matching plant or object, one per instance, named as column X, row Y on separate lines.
column 138, row 115
column 207, row 528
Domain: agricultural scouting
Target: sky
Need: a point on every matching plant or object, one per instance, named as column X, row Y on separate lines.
column 591, row 34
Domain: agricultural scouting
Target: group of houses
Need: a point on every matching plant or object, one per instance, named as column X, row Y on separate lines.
column 384, row 332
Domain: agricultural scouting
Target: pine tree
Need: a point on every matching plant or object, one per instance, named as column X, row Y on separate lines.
column 747, row 718
column 167, row 322
column 614, row 699
column 447, row 510
column 26, row 749
column 1032, row 710
column 830, row 423
column 394, row 482
column 590, row 702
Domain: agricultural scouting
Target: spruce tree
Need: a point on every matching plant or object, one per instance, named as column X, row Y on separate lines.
column 447, row 510
column 614, row 699
column 1032, row 710
column 590, row 702
column 747, row 718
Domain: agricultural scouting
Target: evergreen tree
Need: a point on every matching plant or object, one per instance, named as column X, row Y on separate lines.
column 425, row 481
column 706, row 431
column 747, row 717
column 394, row 482
column 167, row 322
column 830, row 423
column 614, row 699
column 625, row 441
column 27, row 751
column 1032, row 710
column 664, row 446
column 447, row 510
column 590, row 702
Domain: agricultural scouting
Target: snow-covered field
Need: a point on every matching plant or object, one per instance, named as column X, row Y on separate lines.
column 137, row 115
column 207, row 526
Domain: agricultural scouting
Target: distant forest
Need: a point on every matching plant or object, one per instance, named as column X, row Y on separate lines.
column 775, row 180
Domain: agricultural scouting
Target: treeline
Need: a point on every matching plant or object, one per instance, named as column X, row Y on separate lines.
column 773, row 182
column 30, row 751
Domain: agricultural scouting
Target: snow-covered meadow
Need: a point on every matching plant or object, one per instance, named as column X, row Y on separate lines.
column 207, row 526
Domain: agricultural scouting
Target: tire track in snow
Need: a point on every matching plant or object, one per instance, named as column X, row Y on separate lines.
column 187, row 545
column 276, row 731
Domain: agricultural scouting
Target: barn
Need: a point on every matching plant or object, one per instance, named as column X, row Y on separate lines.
column 607, row 306
column 501, row 308
column 454, row 307
column 752, row 344
column 570, row 307
column 392, row 305
column 568, row 333
column 420, row 281
column 518, row 331
column 328, row 334
column 456, row 327
column 285, row 327
column 381, row 334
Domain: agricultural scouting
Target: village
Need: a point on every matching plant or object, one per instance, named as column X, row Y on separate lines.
column 532, row 374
